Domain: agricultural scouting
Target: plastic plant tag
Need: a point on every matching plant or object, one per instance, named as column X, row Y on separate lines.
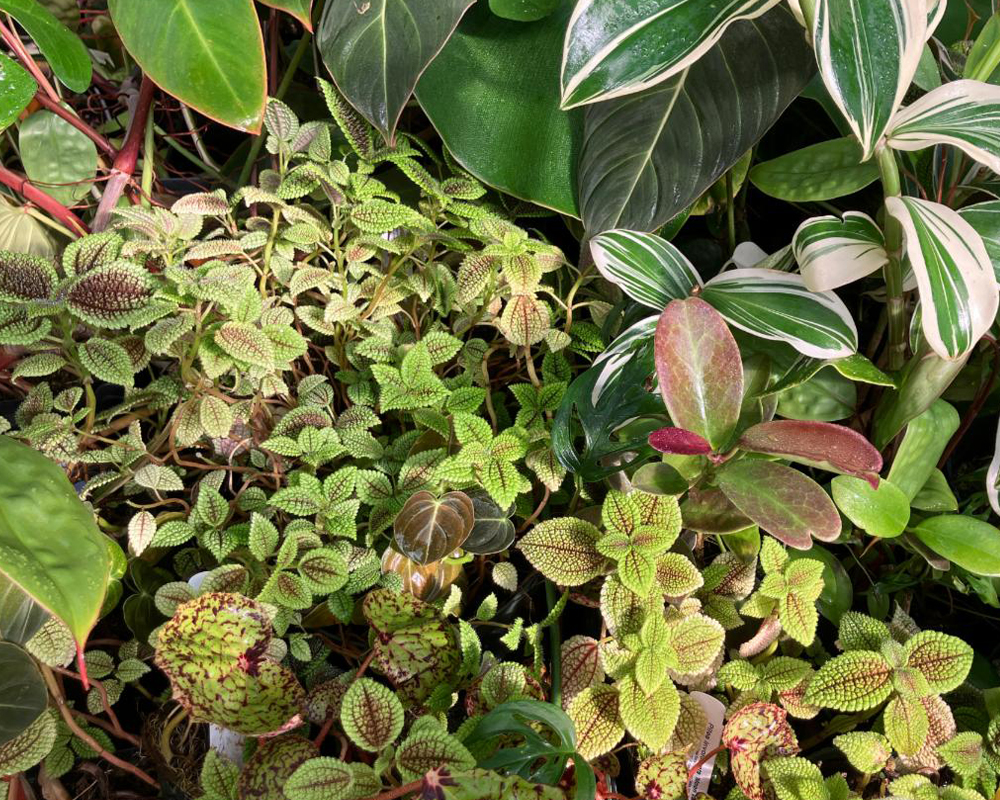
column 714, row 711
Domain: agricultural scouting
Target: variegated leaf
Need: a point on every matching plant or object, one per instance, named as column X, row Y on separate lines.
column 647, row 268
column 955, row 278
column 965, row 114
column 778, row 306
column 832, row 252
column 598, row 724
column 615, row 48
column 868, row 52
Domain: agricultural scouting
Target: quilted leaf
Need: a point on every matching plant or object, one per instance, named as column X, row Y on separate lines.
column 321, row 778
column 794, row 778
column 649, row 718
column 598, row 724
column 24, row 278
column 906, row 724
column 564, row 550
column 581, row 666
column 866, row 751
column 106, row 361
column 754, row 732
column 246, row 343
column 855, row 681
column 944, row 660
column 371, row 715
column 429, row 748
column 110, row 296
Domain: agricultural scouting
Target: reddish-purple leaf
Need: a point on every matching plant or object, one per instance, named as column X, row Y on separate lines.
column 679, row 442
column 835, row 448
column 699, row 368
column 790, row 506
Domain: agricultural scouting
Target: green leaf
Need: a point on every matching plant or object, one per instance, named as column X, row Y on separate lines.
column 431, row 748
column 265, row 773
column 834, row 251
column 613, row 49
column 649, row 718
column 62, row 48
column 50, row 545
column 778, row 306
column 882, row 512
column 492, row 95
column 963, row 753
column 795, row 779
column 209, row 56
column 943, row 660
column 34, row 744
column 699, row 369
column 955, row 279
column 861, row 632
column 17, row 88
column 371, row 715
column 838, row 591
column 790, row 506
column 20, row 616
column 322, row 778
column 967, row 541
column 110, row 296
column 823, row 171
column 564, row 550
column 647, row 268
column 23, row 695
column 376, row 53
column 866, row 751
column 524, row 10
column 636, row 166
column 57, row 157
column 300, row 9
column 595, row 715
column 936, row 494
column 985, row 219
column 855, row 681
column 925, row 439
column 246, row 343
column 962, row 113
column 868, row 52
column 906, row 724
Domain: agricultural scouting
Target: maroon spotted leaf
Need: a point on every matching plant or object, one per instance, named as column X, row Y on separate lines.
column 699, row 369
column 24, row 278
column 835, row 448
column 679, row 442
column 110, row 296
column 272, row 764
column 791, row 507
column 756, row 732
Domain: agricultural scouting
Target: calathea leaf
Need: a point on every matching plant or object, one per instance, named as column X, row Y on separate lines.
column 648, row 269
column 868, row 52
column 699, row 369
column 429, row 528
column 955, row 278
column 777, row 306
column 648, row 156
column 377, row 52
column 614, row 49
column 833, row 251
column 965, row 114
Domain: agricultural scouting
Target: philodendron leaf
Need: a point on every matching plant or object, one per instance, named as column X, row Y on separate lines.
column 647, row 268
column 614, row 49
column 23, row 695
column 371, row 715
column 754, row 732
column 699, row 369
column 961, row 113
column 868, row 52
column 967, row 541
column 50, row 545
column 429, row 528
column 833, row 251
column 647, row 157
column 823, row 171
column 214, row 652
column 377, row 52
column 958, row 288
column 300, row 9
column 20, row 616
column 883, row 511
column 855, row 681
column 564, row 550
column 835, row 448
column 790, row 506
column 208, row 55
column 17, row 88
column 65, row 53
column 778, row 306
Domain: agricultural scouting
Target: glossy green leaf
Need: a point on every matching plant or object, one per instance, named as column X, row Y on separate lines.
column 300, row 9
column 23, row 695
column 20, row 616
column 777, row 306
column 833, row 251
column 58, row 158
column 985, row 219
column 783, row 501
column 208, row 55
column 377, row 51
column 955, row 278
column 823, row 171
column 524, row 10
column 826, row 397
column 17, row 88
column 868, row 52
column 923, row 443
column 614, row 49
column 62, row 48
column 835, row 448
column 882, row 512
column 699, row 369
column 648, row 156
column 50, row 545
column 647, row 268
column 936, row 494
column 493, row 96
column 969, row 542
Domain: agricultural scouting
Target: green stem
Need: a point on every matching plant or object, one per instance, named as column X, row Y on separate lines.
column 730, row 212
column 555, row 645
column 893, row 270
column 268, row 250
column 148, row 160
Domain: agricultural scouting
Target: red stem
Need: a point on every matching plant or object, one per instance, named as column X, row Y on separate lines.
column 14, row 43
column 399, row 791
column 46, row 202
column 56, row 108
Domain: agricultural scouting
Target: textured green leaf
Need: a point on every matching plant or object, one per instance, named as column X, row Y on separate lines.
column 906, row 724
column 246, row 343
column 649, row 718
column 321, row 778
column 109, row 296
column 854, row 681
column 564, row 550
column 581, row 666
column 943, row 660
column 266, row 772
column 28, row 749
column 795, row 779
column 866, row 751
column 371, row 715
column 431, row 748
column 598, row 724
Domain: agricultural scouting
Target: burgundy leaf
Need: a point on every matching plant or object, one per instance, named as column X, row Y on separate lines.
column 835, row 448
column 679, row 442
column 790, row 506
column 699, row 369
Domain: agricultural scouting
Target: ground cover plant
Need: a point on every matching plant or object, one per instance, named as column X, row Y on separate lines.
column 500, row 399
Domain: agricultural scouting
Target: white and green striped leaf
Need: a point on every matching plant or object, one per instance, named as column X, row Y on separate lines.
column 648, row 269
column 615, row 48
column 868, row 52
column 993, row 475
column 778, row 306
column 985, row 218
column 955, row 279
column 965, row 114
column 832, row 252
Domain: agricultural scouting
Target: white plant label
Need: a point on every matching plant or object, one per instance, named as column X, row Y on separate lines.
column 714, row 711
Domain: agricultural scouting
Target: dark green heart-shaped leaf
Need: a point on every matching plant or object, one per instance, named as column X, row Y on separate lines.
column 22, row 691
column 492, row 531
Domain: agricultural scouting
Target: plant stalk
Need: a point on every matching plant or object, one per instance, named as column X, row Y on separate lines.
column 555, row 645
column 46, row 202
column 893, row 270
